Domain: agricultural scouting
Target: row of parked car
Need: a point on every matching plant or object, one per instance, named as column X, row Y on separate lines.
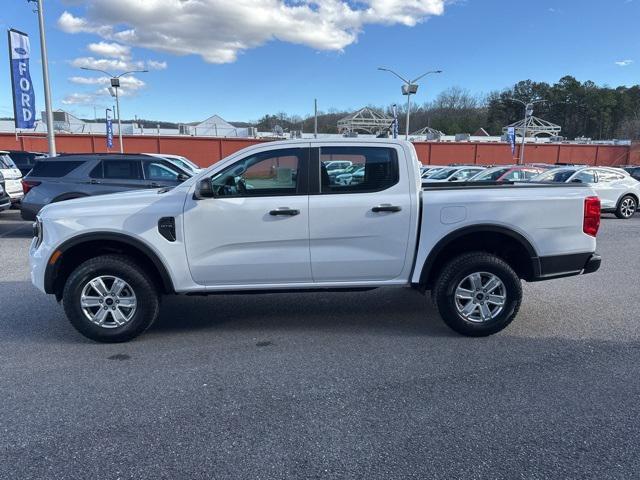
column 618, row 188
column 49, row 180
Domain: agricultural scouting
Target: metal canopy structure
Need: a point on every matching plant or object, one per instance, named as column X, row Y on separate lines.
column 534, row 126
column 430, row 133
column 365, row 120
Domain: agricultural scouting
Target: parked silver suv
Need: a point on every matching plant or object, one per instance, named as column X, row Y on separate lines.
column 75, row 176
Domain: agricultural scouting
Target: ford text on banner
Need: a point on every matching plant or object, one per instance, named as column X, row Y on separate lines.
column 24, row 100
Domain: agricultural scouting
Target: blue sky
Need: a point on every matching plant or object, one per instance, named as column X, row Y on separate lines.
column 242, row 66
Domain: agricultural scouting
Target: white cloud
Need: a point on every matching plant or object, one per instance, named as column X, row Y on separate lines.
column 624, row 63
column 109, row 64
column 156, row 65
column 128, row 82
column 72, row 24
column 113, row 50
column 219, row 30
column 129, row 86
column 78, row 99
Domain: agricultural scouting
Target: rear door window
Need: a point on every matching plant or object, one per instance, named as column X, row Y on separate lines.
column 372, row 169
column 586, row 176
column 54, row 168
column 160, row 171
column 121, row 170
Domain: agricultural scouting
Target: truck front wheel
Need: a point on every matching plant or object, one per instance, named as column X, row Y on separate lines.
column 477, row 294
column 110, row 299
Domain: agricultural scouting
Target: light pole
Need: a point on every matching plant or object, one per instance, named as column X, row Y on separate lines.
column 528, row 113
column 51, row 137
column 409, row 88
column 115, row 85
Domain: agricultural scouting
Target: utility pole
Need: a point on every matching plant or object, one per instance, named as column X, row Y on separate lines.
column 409, row 88
column 528, row 113
column 116, row 87
column 45, row 79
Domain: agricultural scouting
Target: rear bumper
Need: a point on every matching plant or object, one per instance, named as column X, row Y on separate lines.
column 28, row 211
column 558, row 266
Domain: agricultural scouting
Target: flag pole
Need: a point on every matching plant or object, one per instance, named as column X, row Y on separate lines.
column 45, row 77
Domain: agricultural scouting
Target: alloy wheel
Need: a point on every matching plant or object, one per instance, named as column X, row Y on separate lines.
column 480, row 297
column 628, row 207
column 108, row 301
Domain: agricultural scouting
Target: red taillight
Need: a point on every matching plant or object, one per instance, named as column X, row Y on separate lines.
column 28, row 185
column 591, row 221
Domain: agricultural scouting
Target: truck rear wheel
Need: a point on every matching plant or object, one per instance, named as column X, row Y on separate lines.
column 477, row 294
column 110, row 299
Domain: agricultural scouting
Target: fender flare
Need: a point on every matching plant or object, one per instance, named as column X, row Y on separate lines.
column 68, row 196
column 52, row 269
column 483, row 228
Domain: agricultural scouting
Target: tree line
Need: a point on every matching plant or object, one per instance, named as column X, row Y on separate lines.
column 582, row 109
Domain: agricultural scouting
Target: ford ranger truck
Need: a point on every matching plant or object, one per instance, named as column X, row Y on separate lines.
column 270, row 218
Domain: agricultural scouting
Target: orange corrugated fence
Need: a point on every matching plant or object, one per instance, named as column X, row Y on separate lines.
column 207, row 150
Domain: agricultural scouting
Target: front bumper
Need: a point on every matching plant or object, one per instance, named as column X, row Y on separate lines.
column 38, row 257
column 558, row 266
column 5, row 203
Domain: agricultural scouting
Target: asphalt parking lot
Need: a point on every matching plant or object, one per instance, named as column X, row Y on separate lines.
column 354, row 385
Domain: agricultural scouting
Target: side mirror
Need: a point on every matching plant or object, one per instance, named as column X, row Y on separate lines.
column 453, row 179
column 576, row 180
column 204, row 189
column 183, row 177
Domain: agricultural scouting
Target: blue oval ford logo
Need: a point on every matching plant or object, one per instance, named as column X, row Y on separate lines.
column 20, row 50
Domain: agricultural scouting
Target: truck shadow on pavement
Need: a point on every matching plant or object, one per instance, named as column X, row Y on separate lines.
column 385, row 311
column 388, row 310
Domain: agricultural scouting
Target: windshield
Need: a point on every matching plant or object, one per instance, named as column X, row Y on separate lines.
column 491, row 174
column 6, row 162
column 430, row 172
column 558, row 176
column 442, row 174
column 188, row 164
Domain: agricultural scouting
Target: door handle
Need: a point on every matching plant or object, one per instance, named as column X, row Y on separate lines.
column 285, row 211
column 386, row 207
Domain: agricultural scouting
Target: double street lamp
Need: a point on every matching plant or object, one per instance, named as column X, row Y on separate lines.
column 115, row 85
column 528, row 113
column 409, row 88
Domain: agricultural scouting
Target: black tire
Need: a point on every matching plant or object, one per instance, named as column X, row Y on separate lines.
column 459, row 269
column 146, row 298
column 627, row 207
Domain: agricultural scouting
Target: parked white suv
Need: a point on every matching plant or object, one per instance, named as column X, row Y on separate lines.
column 269, row 218
column 618, row 191
column 12, row 177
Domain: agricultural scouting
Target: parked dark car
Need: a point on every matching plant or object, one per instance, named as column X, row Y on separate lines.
column 5, row 200
column 81, row 175
column 634, row 171
column 25, row 160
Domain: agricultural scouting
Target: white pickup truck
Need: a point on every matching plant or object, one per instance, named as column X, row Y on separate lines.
column 270, row 219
